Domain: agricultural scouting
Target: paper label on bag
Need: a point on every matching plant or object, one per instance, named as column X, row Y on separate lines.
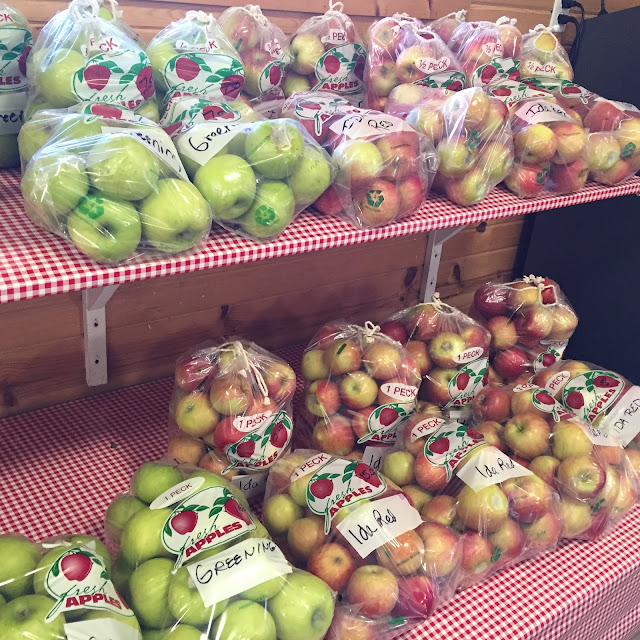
column 100, row 629
column 373, row 456
column 488, row 467
column 177, row 493
column 623, row 422
column 536, row 111
column 383, row 422
column 592, row 393
column 433, row 65
column 554, row 352
column 425, row 428
column 12, row 112
column 157, row 141
column 376, row 523
column 245, row 565
column 362, row 123
column 205, row 141
column 597, row 436
column 252, row 486
column 464, row 386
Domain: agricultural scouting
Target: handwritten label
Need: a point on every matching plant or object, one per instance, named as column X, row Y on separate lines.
column 252, row 486
column 597, row 436
column 12, row 112
column 177, row 493
column 373, row 456
column 488, row 467
column 363, row 124
column 309, row 465
column 246, row 424
column 100, row 629
column 376, row 523
column 243, row 566
column 519, row 388
column 468, row 355
column 537, row 111
column 204, row 141
column 624, row 420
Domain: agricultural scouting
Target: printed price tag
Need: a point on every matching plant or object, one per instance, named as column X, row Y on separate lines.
column 376, row 523
column 373, row 456
column 177, row 493
column 243, row 566
column 623, row 423
column 488, row 467
column 204, row 141
column 251, row 486
column 363, row 124
column 101, row 629
column 536, row 111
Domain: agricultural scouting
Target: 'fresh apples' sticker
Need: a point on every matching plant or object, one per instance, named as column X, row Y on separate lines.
column 496, row 69
column 553, row 353
column 512, row 92
column 185, row 112
column 451, row 79
column 341, row 69
column 450, row 444
column 464, row 386
column 592, row 393
column 16, row 45
column 341, row 483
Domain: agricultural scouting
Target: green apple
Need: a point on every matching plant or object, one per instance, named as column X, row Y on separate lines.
column 228, row 184
column 152, row 479
column 264, row 591
column 238, row 143
column 270, row 212
column 306, row 49
column 149, row 587
column 119, row 513
column 160, row 52
column 123, row 168
column 106, row 229
column 142, row 536
column 18, row 558
column 2, row 600
column 149, row 109
column 153, row 635
column 303, row 608
column 274, row 148
column 55, row 81
column 120, row 573
column 23, row 618
column 76, row 127
column 175, row 216
column 34, row 105
column 9, row 154
column 295, row 82
column 130, row 621
column 185, row 602
column 183, row 632
column 52, row 186
column 310, row 178
column 279, row 513
column 259, row 532
column 33, row 135
column 214, row 480
column 246, row 620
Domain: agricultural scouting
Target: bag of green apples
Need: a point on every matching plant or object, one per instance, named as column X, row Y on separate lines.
column 590, row 470
column 263, row 47
column 543, row 56
column 530, row 321
column 197, row 563
column 81, row 57
column 236, row 398
column 449, row 348
column 349, row 525
column 503, row 511
column 112, row 183
column 256, row 176
column 358, row 386
column 193, row 56
column 15, row 44
column 61, row 589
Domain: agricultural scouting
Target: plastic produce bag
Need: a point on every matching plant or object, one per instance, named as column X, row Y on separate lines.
column 81, row 57
column 589, row 469
column 406, row 97
column 60, row 589
column 236, row 398
column 401, row 51
column 197, row 563
column 543, row 56
column 446, row 25
column 384, row 168
column 530, row 321
column 450, row 349
column 193, row 56
column 257, row 176
column 321, row 508
column 263, row 47
column 359, row 384
column 112, row 183
column 327, row 55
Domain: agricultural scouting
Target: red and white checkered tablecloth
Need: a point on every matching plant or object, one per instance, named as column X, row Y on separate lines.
column 35, row 263
column 61, row 466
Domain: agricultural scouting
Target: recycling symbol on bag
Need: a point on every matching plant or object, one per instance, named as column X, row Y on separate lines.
column 92, row 208
column 375, row 198
column 265, row 215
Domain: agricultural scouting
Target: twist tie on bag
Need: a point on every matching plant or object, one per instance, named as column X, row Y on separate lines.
column 115, row 12
column 506, row 20
column 461, row 15
column 201, row 16
column 240, row 352
column 539, row 28
column 256, row 13
column 441, row 307
column 537, row 281
column 78, row 10
column 335, row 7
column 370, row 330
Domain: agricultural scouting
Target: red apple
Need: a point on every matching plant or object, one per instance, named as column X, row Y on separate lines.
column 386, row 34
column 280, row 380
column 372, row 590
column 491, row 434
column 533, row 323
column 343, row 356
column 580, row 477
column 567, row 178
column 334, row 436
column 476, row 336
column 527, row 180
column 511, row 363
column 527, row 435
column 322, row 398
column 329, row 201
column 436, row 384
column 445, row 348
column 620, row 171
column 424, row 322
column 416, row 597
column 395, row 330
column 545, row 467
column 429, row 476
column 441, row 509
column 379, row 204
column 529, row 498
column 563, row 323
column 570, row 142
column 441, row 549
column 333, row 563
column 190, row 373
column 492, row 403
column 420, row 355
column 543, row 533
column 509, row 539
column 503, row 332
column 477, row 552
column 403, row 555
column 604, row 116
column 412, row 192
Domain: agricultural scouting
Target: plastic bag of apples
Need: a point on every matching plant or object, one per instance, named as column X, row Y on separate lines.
column 446, row 25
column 263, row 47
column 406, row 97
column 327, row 55
column 358, row 386
column 384, row 167
column 589, row 469
column 530, row 321
column 346, row 523
column 195, row 562
column 401, row 50
column 61, row 588
column 543, row 56
column 235, row 398
column 450, row 349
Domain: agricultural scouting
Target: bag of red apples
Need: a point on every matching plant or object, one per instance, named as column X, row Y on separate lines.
column 195, row 562
column 61, row 588
column 231, row 411
column 385, row 168
column 446, row 25
column 530, row 321
column 263, row 47
column 590, row 470
column 401, row 51
column 450, row 349
column 349, row 525
column 327, row 55
column 406, row 97
column 503, row 512
column 359, row 384
column 474, row 144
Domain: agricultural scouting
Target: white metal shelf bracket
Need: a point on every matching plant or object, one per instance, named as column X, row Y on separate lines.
column 435, row 241
column 95, row 333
